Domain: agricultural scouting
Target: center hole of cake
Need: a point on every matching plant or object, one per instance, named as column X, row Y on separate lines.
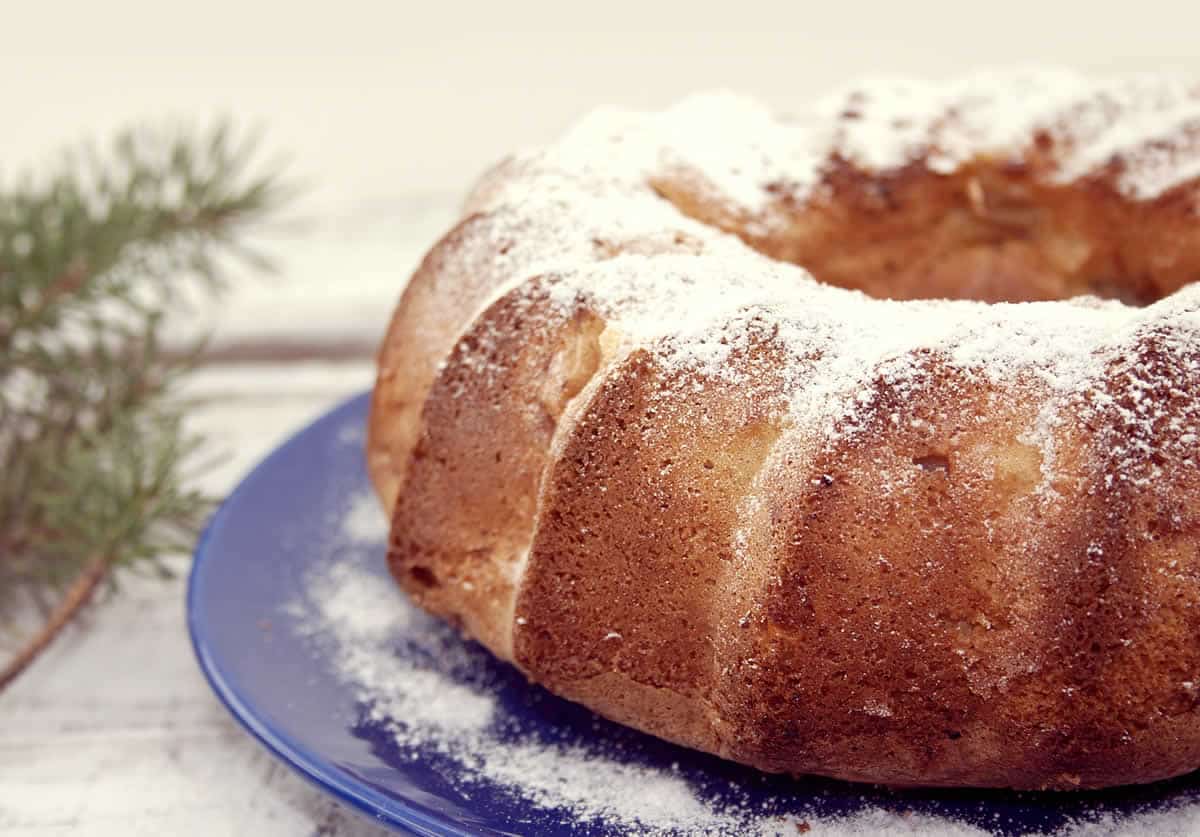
column 987, row 232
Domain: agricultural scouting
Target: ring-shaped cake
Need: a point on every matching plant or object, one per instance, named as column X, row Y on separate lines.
column 929, row 518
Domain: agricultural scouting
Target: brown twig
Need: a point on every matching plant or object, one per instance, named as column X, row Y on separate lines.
column 64, row 285
column 79, row 594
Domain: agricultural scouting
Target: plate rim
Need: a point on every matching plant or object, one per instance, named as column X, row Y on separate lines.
column 394, row 811
column 335, row 781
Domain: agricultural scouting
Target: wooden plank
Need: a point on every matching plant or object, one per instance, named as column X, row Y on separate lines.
column 114, row 731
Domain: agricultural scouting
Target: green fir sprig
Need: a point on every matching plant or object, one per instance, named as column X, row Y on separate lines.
column 92, row 444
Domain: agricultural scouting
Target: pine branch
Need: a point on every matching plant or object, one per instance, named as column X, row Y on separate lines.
column 91, row 434
column 76, row 598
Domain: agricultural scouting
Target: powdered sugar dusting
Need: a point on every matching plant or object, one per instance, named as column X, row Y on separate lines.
column 583, row 212
column 1175, row 821
column 1143, row 132
column 417, row 679
column 584, row 217
column 573, row 777
column 427, row 687
column 363, row 523
column 879, row 821
column 355, row 617
column 1148, row 123
column 694, row 311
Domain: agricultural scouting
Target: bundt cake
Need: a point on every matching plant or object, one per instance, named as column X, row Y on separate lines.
column 861, row 442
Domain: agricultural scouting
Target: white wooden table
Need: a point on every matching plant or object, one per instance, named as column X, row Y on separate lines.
column 387, row 111
column 114, row 731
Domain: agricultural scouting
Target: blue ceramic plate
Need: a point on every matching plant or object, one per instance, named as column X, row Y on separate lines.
column 251, row 567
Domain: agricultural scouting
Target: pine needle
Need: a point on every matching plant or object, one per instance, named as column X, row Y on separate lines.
column 91, row 432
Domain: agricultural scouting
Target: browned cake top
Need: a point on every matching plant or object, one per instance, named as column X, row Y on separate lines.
column 859, row 443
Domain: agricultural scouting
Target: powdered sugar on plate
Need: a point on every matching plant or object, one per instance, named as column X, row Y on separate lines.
column 427, row 687
column 581, row 227
column 440, row 699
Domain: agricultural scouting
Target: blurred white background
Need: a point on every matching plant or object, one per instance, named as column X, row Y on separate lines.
column 387, row 111
column 375, row 100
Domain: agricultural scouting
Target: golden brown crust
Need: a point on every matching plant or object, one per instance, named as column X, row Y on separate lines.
column 650, row 478
column 935, row 567
column 458, row 542
column 437, row 303
column 959, row 631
